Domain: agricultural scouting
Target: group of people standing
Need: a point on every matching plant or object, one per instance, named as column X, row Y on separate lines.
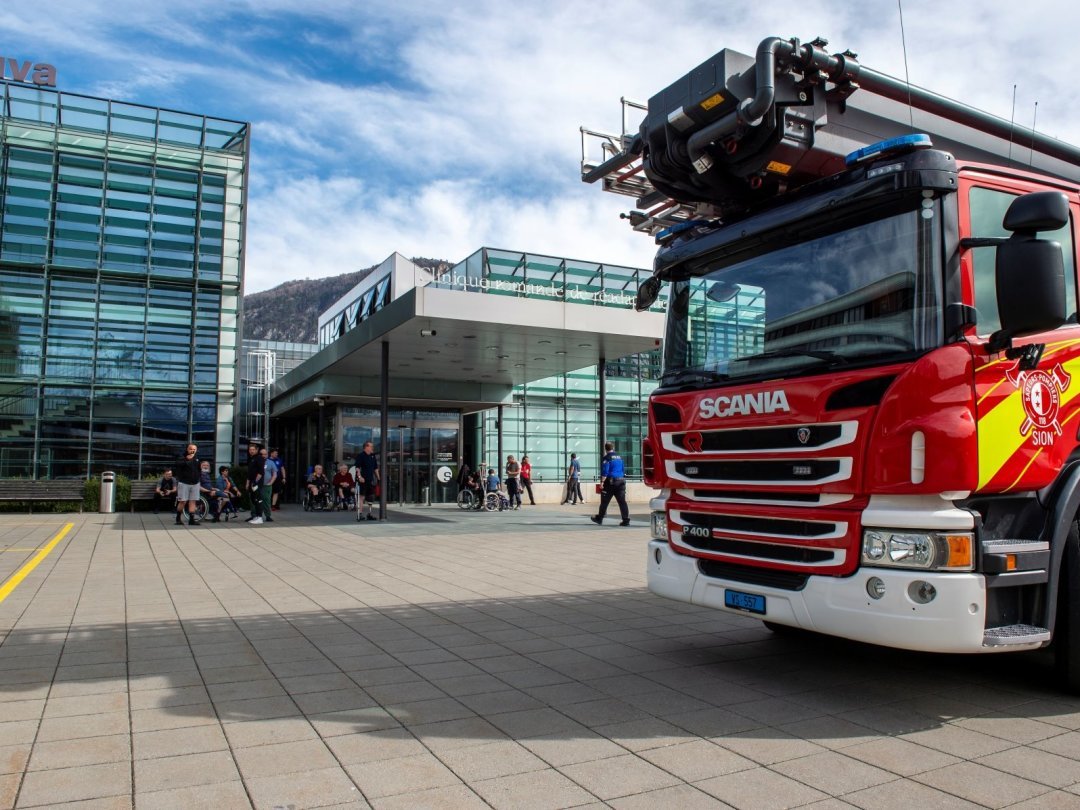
column 193, row 480
column 517, row 479
column 266, row 480
column 265, row 483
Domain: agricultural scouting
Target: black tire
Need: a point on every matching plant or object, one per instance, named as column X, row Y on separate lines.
column 466, row 499
column 1066, row 643
column 491, row 502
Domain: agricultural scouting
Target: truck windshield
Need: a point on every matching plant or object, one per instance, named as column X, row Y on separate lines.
column 866, row 293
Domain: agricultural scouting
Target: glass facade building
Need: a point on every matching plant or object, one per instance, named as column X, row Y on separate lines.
column 121, row 273
column 546, row 419
column 551, row 418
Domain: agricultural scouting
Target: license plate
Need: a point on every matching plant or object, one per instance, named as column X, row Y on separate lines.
column 700, row 532
column 750, row 602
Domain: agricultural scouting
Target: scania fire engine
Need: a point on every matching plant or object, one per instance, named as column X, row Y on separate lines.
column 868, row 420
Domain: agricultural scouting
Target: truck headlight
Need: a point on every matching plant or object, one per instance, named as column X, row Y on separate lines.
column 659, row 526
column 942, row 551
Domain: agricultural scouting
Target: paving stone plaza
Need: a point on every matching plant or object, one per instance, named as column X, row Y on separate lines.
column 453, row 660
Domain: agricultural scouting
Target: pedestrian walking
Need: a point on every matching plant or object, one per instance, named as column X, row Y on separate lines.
column 279, row 482
column 513, row 473
column 270, row 474
column 526, row 478
column 187, row 485
column 254, row 482
column 613, row 472
column 573, row 481
column 367, row 479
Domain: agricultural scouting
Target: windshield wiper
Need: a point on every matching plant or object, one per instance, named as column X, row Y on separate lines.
column 694, row 375
column 821, row 354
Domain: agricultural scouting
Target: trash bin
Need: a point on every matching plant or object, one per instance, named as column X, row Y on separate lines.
column 107, row 500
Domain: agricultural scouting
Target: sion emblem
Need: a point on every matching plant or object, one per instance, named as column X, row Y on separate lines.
column 1040, row 393
column 692, row 442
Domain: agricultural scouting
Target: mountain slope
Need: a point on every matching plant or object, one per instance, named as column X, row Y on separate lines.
column 290, row 311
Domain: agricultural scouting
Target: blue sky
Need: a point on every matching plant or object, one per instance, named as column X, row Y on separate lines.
column 433, row 129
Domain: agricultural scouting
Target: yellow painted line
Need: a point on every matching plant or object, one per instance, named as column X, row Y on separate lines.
column 24, row 572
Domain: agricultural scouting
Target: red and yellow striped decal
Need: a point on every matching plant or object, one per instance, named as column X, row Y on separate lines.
column 1009, row 459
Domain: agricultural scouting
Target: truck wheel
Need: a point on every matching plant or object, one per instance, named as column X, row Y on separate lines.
column 1066, row 643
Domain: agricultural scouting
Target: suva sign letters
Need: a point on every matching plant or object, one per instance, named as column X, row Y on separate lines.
column 40, row 73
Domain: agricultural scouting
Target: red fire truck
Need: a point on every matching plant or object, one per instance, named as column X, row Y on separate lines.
column 868, row 420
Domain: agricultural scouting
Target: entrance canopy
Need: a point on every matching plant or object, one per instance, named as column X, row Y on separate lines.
column 465, row 338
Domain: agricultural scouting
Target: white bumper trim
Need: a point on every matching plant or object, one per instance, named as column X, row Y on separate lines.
column 839, row 606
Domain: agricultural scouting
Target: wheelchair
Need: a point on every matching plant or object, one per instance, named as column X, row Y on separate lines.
column 323, row 502
column 470, row 499
column 496, row 502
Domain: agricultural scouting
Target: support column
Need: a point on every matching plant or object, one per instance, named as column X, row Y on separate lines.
column 601, row 373
column 320, row 432
column 499, row 443
column 384, row 427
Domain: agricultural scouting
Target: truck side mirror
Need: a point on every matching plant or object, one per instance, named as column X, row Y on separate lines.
column 647, row 293
column 1030, row 272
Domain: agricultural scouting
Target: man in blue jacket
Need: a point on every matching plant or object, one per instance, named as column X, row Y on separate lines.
column 613, row 472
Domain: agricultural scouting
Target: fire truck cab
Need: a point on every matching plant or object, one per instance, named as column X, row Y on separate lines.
column 867, row 424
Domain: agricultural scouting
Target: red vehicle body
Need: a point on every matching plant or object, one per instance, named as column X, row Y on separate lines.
column 869, row 419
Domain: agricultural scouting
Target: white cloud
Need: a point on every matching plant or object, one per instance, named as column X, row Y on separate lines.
column 468, row 134
column 313, row 228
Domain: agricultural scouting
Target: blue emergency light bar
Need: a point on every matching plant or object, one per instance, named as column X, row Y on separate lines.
column 894, row 145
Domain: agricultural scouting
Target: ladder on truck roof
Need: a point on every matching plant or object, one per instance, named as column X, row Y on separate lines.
column 739, row 129
column 609, row 158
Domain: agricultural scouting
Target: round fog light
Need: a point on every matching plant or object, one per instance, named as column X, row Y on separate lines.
column 875, row 588
column 921, row 592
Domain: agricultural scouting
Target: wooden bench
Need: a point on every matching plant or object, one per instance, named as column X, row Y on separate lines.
column 69, row 491
column 142, row 491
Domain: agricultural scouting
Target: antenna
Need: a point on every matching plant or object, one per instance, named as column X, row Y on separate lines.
column 1031, row 153
column 907, row 76
column 1012, row 123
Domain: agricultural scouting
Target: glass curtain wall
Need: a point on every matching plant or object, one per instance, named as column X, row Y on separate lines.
column 557, row 416
column 121, row 231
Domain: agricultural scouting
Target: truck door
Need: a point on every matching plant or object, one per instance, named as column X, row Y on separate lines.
column 1027, row 418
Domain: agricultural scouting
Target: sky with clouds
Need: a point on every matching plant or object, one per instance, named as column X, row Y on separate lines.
column 433, row 128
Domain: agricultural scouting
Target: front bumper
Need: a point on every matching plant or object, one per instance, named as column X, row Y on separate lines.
column 953, row 622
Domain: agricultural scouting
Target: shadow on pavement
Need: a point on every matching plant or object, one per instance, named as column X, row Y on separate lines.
column 615, row 664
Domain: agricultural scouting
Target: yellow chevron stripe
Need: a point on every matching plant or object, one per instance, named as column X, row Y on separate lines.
column 999, row 430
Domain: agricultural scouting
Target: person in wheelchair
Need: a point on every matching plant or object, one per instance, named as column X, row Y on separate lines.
column 208, row 491
column 343, row 488
column 494, row 487
column 228, row 494
column 318, row 490
column 475, row 485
